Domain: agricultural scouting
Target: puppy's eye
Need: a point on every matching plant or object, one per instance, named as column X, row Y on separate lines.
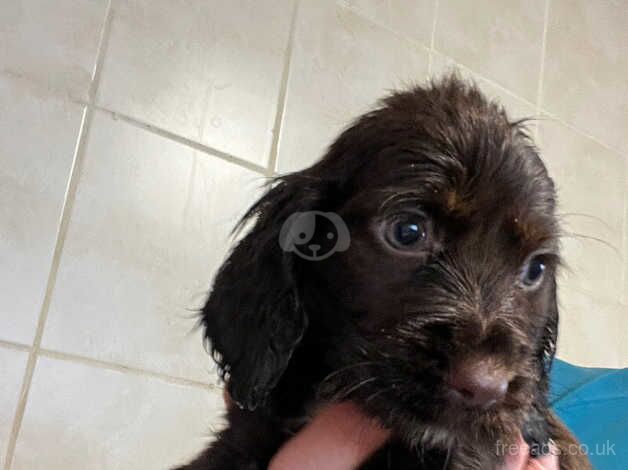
column 533, row 272
column 407, row 231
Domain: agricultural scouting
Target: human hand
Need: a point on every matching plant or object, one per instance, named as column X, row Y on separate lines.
column 518, row 458
column 342, row 437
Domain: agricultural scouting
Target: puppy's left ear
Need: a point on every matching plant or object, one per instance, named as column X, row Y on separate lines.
column 550, row 335
column 536, row 429
column 253, row 318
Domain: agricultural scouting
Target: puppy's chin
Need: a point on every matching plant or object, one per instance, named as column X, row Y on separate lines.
column 443, row 423
column 454, row 427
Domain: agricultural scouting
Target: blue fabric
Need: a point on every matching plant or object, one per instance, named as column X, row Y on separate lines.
column 593, row 403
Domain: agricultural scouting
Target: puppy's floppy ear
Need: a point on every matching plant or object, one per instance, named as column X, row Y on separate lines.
column 253, row 318
column 536, row 429
column 550, row 335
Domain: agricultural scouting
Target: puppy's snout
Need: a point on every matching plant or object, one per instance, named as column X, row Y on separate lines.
column 478, row 383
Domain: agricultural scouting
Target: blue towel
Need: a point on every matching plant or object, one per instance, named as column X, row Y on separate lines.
column 593, row 403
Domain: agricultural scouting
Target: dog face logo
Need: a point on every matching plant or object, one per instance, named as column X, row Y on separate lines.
column 314, row 235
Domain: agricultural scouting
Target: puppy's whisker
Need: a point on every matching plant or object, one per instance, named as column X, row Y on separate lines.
column 390, row 386
column 374, row 395
column 447, row 458
column 347, row 369
column 346, row 393
column 564, row 215
column 592, row 238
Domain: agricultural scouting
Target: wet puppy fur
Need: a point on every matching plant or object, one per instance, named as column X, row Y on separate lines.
column 387, row 325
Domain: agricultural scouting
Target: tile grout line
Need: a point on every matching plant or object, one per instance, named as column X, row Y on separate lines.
column 542, row 113
column 490, row 81
column 213, row 152
column 283, row 92
column 114, row 366
column 32, row 358
column 546, row 115
column 433, row 39
column 541, row 77
column 14, row 346
column 62, row 228
column 210, row 151
column 259, row 169
column 264, row 171
column 384, row 25
column 166, row 134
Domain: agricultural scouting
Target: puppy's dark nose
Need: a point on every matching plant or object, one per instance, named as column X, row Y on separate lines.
column 479, row 384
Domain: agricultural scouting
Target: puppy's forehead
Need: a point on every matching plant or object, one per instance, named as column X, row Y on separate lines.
column 447, row 147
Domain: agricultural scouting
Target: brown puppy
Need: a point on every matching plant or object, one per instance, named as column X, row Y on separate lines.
column 412, row 271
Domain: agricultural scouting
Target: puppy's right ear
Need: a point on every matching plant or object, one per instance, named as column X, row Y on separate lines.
column 253, row 318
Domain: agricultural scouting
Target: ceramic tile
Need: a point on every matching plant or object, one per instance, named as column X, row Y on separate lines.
column 501, row 40
column 55, row 47
column 591, row 190
column 37, row 138
column 587, row 85
column 149, row 227
column 412, row 18
column 341, row 65
column 592, row 331
column 12, row 366
column 206, row 70
column 111, row 421
column 374, row 10
column 625, row 245
column 516, row 107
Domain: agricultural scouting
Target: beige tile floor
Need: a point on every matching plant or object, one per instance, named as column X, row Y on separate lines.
column 134, row 132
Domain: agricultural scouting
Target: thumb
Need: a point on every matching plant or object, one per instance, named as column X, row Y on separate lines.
column 546, row 462
column 340, row 437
